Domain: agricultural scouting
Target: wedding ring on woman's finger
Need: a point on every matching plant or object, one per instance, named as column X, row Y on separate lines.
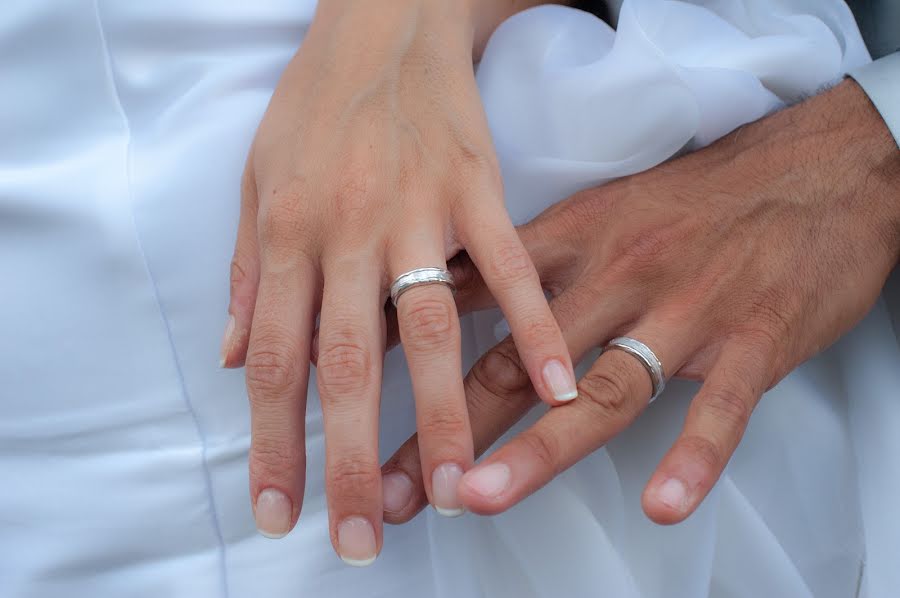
column 646, row 357
column 417, row 277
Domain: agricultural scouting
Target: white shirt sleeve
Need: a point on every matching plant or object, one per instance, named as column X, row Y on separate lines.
column 881, row 82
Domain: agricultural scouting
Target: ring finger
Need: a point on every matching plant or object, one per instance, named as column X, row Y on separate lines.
column 429, row 330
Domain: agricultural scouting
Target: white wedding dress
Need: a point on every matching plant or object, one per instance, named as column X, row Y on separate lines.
column 123, row 129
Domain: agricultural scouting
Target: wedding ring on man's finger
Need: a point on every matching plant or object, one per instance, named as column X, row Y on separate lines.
column 646, row 357
column 417, row 277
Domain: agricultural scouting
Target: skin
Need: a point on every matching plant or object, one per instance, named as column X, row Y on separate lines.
column 373, row 158
column 735, row 263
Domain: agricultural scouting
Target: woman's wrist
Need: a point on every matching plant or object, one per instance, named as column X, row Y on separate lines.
column 380, row 28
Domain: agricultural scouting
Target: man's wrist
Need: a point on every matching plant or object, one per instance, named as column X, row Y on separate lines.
column 832, row 148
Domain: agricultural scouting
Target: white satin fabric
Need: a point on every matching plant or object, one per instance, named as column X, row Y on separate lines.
column 124, row 126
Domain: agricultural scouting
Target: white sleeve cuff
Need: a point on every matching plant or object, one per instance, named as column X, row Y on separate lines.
column 881, row 82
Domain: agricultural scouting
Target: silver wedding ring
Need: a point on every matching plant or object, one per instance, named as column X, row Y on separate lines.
column 418, row 277
column 646, row 356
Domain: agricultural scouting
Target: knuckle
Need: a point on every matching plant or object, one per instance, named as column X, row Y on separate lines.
column 704, row 451
column 443, row 421
column 606, row 390
column 773, row 322
column 354, row 476
column 283, row 222
column 270, row 458
column 509, row 263
column 647, row 248
column 543, row 448
column 269, row 371
column 344, row 365
column 501, row 371
column 429, row 323
column 539, row 330
column 728, row 406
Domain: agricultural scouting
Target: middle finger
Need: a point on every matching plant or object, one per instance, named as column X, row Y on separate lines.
column 348, row 374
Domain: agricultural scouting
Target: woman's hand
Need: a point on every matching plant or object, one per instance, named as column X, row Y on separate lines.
column 734, row 264
column 373, row 159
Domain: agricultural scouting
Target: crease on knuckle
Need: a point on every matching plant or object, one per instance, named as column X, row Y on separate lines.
column 269, row 371
column 538, row 330
column 442, row 421
column 544, row 449
column 354, row 477
column 429, row 323
column 728, row 406
column 606, row 390
column 774, row 326
column 509, row 263
column 344, row 366
column 704, row 451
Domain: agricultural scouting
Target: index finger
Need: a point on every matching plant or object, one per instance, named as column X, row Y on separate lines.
column 612, row 394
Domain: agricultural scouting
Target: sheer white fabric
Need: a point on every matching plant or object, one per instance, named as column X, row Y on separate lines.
column 123, row 448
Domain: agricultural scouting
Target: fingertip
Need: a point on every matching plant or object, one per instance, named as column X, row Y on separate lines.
column 274, row 513
column 485, row 490
column 233, row 351
column 559, row 380
column 667, row 500
column 402, row 498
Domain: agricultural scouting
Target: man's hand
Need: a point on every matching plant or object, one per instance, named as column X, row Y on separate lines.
column 734, row 264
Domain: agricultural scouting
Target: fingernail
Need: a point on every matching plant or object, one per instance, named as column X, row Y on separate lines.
column 673, row 494
column 356, row 541
column 273, row 513
column 560, row 381
column 444, row 482
column 398, row 491
column 489, row 480
column 226, row 341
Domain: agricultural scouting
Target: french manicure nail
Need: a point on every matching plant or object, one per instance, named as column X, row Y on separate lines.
column 273, row 513
column 444, row 482
column 226, row 341
column 398, row 491
column 560, row 381
column 356, row 541
column 673, row 494
column 489, row 480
